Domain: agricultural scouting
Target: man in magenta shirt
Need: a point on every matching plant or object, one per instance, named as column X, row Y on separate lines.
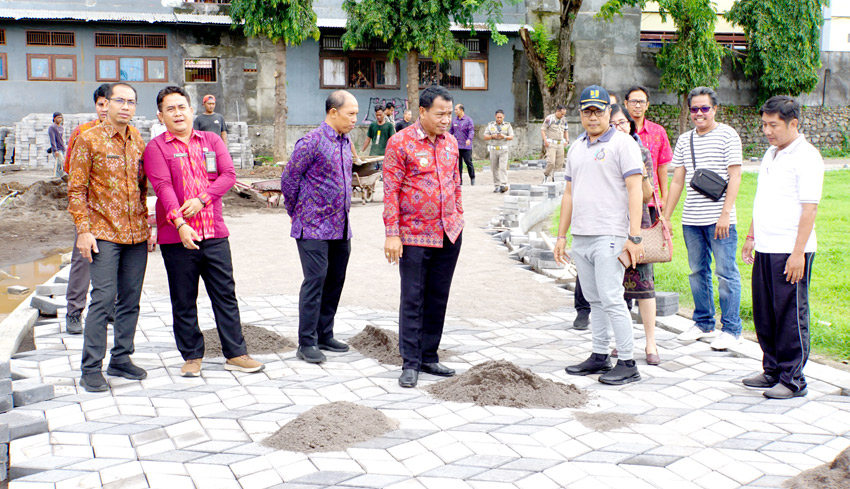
column 653, row 136
column 190, row 171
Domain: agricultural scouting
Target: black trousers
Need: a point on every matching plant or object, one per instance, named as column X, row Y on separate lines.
column 466, row 157
column 426, row 277
column 213, row 263
column 581, row 303
column 781, row 317
column 323, row 262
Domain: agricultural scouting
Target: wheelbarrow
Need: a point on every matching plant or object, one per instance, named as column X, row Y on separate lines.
column 365, row 176
column 270, row 189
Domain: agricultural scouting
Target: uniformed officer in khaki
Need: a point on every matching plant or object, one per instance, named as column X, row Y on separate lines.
column 497, row 135
column 555, row 138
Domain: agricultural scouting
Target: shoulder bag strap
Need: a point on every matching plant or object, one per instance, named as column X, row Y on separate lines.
column 693, row 158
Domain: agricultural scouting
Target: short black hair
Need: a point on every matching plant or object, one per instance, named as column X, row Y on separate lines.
column 389, row 104
column 787, row 108
column 637, row 88
column 560, row 107
column 120, row 84
column 101, row 91
column 500, row 111
column 426, row 98
column 613, row 94
column 696, row 92
column 461, row 107
column 335, row 100
column 379, row 108
column 169, row 90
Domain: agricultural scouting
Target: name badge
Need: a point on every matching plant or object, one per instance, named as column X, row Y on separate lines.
column 181, row 155
column 209, row 159
column 117, row 157
column 420, row 154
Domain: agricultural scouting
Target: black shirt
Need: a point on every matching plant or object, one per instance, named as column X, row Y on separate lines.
column 211, row 123
column 401, row 125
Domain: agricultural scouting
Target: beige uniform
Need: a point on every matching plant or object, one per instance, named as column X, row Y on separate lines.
column 499, row 151
column 555, row 130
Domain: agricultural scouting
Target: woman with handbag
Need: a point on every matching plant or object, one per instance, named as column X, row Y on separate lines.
column 639, row 281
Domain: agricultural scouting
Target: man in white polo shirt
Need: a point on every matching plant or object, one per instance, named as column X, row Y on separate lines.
column 782, row 234
column 603, row 203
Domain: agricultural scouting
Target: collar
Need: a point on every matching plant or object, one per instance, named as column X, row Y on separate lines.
column 421, row 134
column 110, row 129
column 171, row 137
column 331, row 133
column 462, row 117
column 791, row 147
column 604, row 138
column 646, row 126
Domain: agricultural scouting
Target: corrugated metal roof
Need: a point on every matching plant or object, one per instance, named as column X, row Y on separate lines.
column 101, row 16
column 340, row 23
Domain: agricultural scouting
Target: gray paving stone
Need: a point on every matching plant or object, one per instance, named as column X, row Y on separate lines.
column 409, row 434
column 651, row 460
column 633, row 448
column 519, row 429
column 179, row 456
column 326, row 478
column 600, row 456
column 25, row 393
column 531, row 464
column 742, row 443
column 782, row 446
column 808, row 438
column 454, row 471
column 501, row 475
column 87, row 427
column 377, row 481
column 768, row 409
column 381, row 443
column 487, row 461
column 222, row 459
column 769, row 481
column 478, row 427
column 128, row 429
column 22, row 425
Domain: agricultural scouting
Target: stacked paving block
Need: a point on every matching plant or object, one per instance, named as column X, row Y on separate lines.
column 15, row 425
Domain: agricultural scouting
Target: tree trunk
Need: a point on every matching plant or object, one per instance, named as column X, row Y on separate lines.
column 413, row 83
column 683, row 113
column 280, row 109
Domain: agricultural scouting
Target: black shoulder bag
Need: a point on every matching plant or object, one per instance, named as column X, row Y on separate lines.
column 706, row 182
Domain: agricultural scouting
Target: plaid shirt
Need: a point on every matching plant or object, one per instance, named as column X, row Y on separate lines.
column 422, row 188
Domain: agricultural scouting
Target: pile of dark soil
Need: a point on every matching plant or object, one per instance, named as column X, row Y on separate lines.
column 331, row 427
column 263, row 171
column 382, row 345
column 502, row 383
column 42, row 195
column 834, row 475
column 259, row 341
column 605, row 421
column 35, row 222
column 238, row 201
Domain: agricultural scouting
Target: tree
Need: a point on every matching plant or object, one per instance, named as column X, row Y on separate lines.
column 552, row 60
column 414, row 28
column 282, row 22
column 784, row 43
column 695, row 58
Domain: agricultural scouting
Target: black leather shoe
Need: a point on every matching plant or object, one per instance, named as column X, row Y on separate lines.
column 94, row 382
column 503, row 189
column 126, row 370
column 409, row 378
column 472, row 181
column 333, row 344
column 596, row 364
column 623, row 373
column 436, row 369
column 310, row 354
column 582, row 321
column 761, row 381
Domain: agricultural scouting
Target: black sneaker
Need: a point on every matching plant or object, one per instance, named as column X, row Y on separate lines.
column 596, row 364
column 761, row 381
column 126, row 370
column 582, row 321
column 333, row 344
column 73, row 324
column 94, row 382
column 623, row 373
column 310, row 354
column 472, row 182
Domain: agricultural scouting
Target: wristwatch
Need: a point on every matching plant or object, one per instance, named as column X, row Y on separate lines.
column 203, row 202
column 635, row 239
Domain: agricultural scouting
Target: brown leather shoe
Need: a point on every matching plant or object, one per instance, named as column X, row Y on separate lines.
column 192, row 368
column 653, row 359
column 243, row 363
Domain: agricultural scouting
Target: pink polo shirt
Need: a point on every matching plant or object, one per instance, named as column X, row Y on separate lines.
column 654, row 137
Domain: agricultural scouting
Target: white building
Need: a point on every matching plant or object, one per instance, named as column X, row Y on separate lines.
column 836, row 26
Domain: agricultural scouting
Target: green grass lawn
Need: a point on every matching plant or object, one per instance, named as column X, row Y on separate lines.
column 829, row 292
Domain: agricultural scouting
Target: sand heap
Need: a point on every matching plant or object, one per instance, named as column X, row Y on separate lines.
column 605, row 421
column 382, row 345
column 259, row 341
column 331, row 427
column 501, row 383
column 42, row 195
column 834, row 475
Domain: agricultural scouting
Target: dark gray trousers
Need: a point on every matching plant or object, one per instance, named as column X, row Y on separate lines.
column 324, row 262
column 118, row 270
column 78, row 281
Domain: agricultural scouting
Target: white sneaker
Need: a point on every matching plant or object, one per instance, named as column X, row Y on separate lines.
column 694, row 333
column 725, row 341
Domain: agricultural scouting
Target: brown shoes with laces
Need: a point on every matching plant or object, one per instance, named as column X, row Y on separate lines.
column 243, row 363
column 192, row 368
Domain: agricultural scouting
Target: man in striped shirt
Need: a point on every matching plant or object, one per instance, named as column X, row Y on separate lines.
column 708, row 226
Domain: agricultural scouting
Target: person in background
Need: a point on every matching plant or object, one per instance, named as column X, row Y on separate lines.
column 408, row 115
column 210, row 121
column 389, row 112
column 653, row 136
column 497, row 134
column 463, row 129
column 57, row 143
column 556, row 137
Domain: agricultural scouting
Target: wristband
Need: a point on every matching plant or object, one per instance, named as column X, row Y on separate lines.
column 751, row 238
column 562, row 237
column 181, row 225
column 203, row 203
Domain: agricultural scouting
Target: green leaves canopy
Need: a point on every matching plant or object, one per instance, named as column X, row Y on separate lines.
column 288, row 21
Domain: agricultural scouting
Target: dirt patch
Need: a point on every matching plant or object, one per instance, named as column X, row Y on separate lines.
column 237, row 202
column 605, row 421
column 259, row 341
column 264, row 171
column 834, row 475
column 502, row 383
column 382, row 345
column 331, row 427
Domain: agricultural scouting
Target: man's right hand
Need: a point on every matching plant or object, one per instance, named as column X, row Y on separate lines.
column 561, row 256
column 188, row 236
column 747, row 252
column 393, row 249
column 545, row 143
column 87, row 245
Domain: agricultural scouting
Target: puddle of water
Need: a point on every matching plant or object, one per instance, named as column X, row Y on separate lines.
column 30, row 274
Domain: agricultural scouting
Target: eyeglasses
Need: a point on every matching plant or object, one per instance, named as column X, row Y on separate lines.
column 704, row 109
column 624, row 124
column 121, row 101
column 638, row 103
column 592, row 113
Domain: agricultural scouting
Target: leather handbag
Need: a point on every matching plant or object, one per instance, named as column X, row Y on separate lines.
column 706, row 182
column 657, row 239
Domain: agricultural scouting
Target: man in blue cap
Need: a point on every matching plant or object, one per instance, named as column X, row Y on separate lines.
column 603, row 205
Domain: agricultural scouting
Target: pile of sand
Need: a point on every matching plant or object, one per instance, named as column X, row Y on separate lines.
column 261, row 171
column 42, row 195
column 382, row 345
column 259, row 341
column 501, row 383
column 605, row 421
column 834, row 475
column 331, row 427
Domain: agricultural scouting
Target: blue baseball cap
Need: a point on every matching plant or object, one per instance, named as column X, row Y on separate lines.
column 594, row 96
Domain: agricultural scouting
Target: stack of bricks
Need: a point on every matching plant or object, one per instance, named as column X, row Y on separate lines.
column 239, row 145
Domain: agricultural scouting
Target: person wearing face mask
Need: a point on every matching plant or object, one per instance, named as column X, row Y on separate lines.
column 639, row 281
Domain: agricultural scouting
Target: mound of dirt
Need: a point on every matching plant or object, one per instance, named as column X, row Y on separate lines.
column 263, row 171
column 259, row 341
column 35, row 222
column 502, row 383
column 382, row 345
column 605, row 421
column 834, row 475
column 331, row 427
column 42, row 195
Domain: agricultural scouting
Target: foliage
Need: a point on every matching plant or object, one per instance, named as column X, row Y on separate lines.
column 784, row 43
column 548, row 50
column 288, row 21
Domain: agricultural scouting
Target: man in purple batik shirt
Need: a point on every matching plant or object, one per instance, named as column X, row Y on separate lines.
column 316, row 187
column 464, row 131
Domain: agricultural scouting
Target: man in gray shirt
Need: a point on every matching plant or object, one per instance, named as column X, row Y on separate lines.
column 57, row 143
column 210, row 121
column 603, row 202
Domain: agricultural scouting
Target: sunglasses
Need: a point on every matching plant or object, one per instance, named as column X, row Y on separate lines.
column 704, row 109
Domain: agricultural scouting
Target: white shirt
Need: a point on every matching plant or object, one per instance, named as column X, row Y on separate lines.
column 787, row 180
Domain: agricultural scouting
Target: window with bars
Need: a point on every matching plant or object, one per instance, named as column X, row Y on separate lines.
column 200, row 70
column 51, row 67
column 2, row 36
column 131, row 68
column 51, row 38
column 120, row 40
column 3, row 69
column 357, row 72
column 465, row 74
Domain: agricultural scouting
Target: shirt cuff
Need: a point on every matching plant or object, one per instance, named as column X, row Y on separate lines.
column 205, row 197
column 172, row 215
column 392, row 230
column 84, row 227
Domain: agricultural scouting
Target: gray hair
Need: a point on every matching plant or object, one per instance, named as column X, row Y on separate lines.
column 696, row 92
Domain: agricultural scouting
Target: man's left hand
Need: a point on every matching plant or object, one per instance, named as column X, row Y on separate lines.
column 635, row 251
column 467, row 142
column 721, row 229
column 794, row 267
column 191, row 207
